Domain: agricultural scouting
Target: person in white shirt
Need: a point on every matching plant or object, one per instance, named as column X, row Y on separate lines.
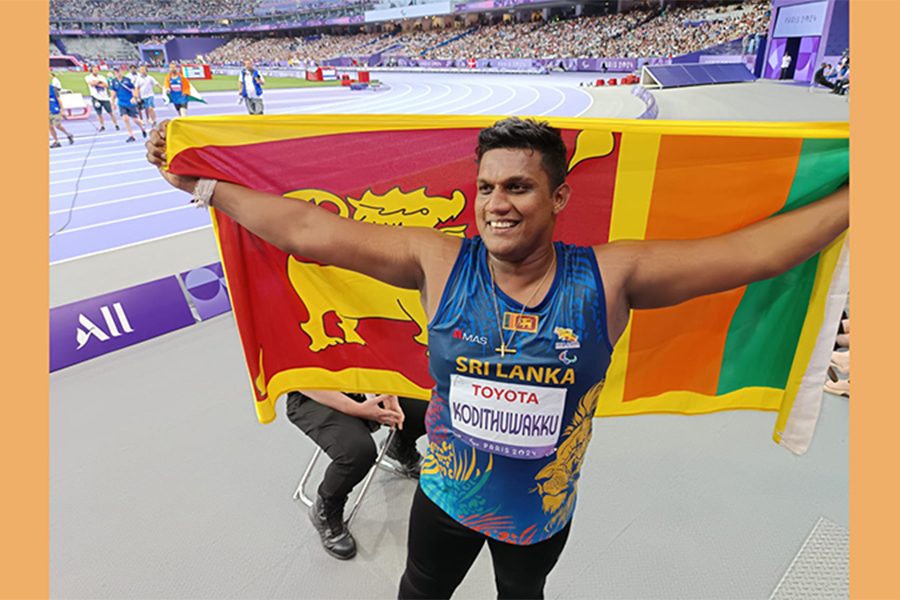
column 145, row 84
column 250, row 84
column 55, row 82
column 100, row 96
column 785, row 65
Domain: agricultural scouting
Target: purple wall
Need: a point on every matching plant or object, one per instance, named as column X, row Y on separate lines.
column 188, row 48
column 839, row 29
column 806, row 59
column 773, row 58
column 812, row 51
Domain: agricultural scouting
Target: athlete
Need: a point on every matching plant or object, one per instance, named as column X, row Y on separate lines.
column 512, row 411
column 175, row 86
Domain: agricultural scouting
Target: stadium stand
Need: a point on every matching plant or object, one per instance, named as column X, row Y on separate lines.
column 656, row 32
column 102, row 48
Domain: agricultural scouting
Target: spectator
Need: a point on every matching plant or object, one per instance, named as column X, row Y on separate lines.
column 821, row 77
column 785, row 66
column 145, row 85
column 56, row 119
column 99, row 87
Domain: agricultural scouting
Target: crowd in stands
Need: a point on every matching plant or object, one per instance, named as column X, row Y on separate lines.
column 639, row 33
column 681, row 31
column 157, row 40
column 191, row 9
column 579, row 37
column 634, row 34
column 97, row 48
column 148, row 9
column 272, row 50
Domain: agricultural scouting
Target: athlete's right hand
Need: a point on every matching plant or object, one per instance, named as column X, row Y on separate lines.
column 156, row 155
column 382, row 409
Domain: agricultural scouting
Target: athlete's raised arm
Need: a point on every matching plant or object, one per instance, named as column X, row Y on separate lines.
column 654, row 274
column 407, row 257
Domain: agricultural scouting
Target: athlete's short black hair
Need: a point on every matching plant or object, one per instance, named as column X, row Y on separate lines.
column 528, row 134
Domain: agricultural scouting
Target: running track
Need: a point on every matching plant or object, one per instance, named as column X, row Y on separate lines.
column 122, row 200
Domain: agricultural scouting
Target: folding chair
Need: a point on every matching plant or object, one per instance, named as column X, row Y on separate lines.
column 300, row 494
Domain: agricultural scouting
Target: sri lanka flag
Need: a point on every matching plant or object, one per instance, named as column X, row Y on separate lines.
column 765, row 346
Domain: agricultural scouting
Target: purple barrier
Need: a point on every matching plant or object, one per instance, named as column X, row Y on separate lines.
column 652, row 110
column 94, row 327
column 208, row 290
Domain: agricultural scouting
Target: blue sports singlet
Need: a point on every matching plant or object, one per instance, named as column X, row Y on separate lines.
column 507, row 435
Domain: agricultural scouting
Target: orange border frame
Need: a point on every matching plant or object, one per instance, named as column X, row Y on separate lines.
column 875, row 213
column 24, row 438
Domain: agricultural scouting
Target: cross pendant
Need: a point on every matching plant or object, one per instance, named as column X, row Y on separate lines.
column 503, row 350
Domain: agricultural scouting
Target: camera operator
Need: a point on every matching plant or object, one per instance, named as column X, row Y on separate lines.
column 250, row 90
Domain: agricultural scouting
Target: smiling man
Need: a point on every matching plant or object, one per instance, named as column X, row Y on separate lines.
column 510, row 420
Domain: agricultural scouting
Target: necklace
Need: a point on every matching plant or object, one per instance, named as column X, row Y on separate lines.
column 504, row 348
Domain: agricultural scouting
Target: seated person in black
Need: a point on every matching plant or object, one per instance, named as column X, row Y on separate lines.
column 819, row 77
column 342, row 424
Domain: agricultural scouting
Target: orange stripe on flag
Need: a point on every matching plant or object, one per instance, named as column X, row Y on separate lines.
column 704, row 186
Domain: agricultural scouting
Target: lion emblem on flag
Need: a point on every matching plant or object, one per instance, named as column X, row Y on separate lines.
column 351, row 296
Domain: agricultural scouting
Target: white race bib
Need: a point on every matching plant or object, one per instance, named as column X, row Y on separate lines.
column 518, row 421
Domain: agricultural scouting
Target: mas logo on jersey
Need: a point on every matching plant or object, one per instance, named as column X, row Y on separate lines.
column 565, row 339
column 468, row 337
column 524, row 323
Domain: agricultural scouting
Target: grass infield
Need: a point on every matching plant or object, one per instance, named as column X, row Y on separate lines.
column 74, row 80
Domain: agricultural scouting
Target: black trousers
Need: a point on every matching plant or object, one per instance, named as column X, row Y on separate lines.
column 825, row 82
column 440, row 552
column 348, row 440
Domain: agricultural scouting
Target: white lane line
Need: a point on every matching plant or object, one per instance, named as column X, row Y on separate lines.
column 110, row 164
column 148, row 167
column 455, row 101
column 391, row 96
column 103, row 152
column 150, row 214
column 106, row 187
column 96, row 204
column 106, row 250
column 537, row 96
column 415, row 102
column 557, row 105
column 492, row 108
column 590, row 103
column 462, row 109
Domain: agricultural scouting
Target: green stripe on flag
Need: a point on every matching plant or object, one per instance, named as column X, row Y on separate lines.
column 765, row 330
